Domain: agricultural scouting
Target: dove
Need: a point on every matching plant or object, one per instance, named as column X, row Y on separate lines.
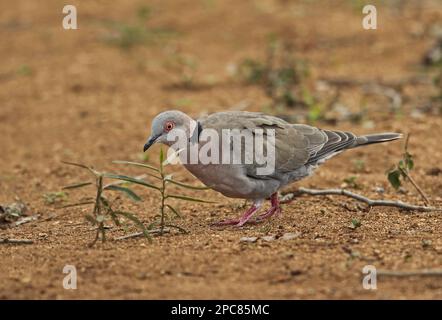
column 298, row 150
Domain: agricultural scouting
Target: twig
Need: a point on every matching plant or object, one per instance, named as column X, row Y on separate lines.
column 370, row 202
column 139, row 234
column 16, row 241
column 404, row 171
column 425, row 272
column 427, row 202
column 26, row 220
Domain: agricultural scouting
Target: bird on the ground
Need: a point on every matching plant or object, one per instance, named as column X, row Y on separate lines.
column 298, row 150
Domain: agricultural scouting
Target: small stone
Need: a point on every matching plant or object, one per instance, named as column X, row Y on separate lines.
column 290, row 235
column 248, row 239
column 268, row 238
column 295, row 272
column 379, row 190
column 26, row 279
column 142, row 275
column 426, row 243
column 434, row 171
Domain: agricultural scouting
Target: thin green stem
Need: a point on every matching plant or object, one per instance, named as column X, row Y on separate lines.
column 163, row 198
column 97, row 208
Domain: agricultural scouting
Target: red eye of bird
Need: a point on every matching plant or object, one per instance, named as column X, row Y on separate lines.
column 169, row 126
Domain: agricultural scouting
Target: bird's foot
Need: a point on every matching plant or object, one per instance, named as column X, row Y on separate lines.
column 238, row 222
column 272, row 211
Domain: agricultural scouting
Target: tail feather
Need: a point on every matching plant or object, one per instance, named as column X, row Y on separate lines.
column 340, row 141
column 376, row 138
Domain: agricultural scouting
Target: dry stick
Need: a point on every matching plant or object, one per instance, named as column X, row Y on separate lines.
column 16, row 241
column 26, row 220
column 427, row 202
column 370, row 202
column 405, row 173
column 425, row 272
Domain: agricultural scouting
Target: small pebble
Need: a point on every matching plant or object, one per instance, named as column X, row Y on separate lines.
column 248, row 239
column 379, row 190
column 290, row 235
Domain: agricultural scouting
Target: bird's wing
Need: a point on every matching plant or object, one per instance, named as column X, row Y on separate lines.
column 294, row 144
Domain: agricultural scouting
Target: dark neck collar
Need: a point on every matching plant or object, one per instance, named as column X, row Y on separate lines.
column 196, row 133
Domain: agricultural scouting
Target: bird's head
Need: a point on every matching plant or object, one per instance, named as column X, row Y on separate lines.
column 167, row 121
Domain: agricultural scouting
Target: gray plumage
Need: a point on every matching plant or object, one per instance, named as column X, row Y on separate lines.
column 299, row 150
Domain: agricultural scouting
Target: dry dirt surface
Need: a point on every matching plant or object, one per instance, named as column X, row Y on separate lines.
column 89, row 96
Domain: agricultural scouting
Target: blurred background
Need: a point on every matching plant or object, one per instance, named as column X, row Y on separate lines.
column 97, row 88
column 90, row 94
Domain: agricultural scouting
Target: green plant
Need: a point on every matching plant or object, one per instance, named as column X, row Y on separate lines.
column 128, row 35
column 103, row 210
column 12, row 212
column 164, row 180
column 438, row 84
column 314, row 107
column 185, row 67
column 355, row 223
column 279, row 75
column 24, row 70
column 359, row 165
column 352, row 182
column 401, row 171
column 55, row 197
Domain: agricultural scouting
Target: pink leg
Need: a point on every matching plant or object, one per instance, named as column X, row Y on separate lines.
column 274, row 209
column 241, row 221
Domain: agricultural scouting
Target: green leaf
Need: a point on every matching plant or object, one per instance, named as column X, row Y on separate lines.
column 408, row 158
column 161, row 156
column 81, row 166
column 115, row 218
column 186, row 198
column 76, row 164
column 130, row 179
column 394, row 178
column 185, row 185
column 177, row 213
column 355, row 223
column 137, row 164
column 77, row 185
column 105, row 202
column 137, row 222
column 132, row 195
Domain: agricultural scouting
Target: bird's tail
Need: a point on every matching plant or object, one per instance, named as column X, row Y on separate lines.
column 376, row 138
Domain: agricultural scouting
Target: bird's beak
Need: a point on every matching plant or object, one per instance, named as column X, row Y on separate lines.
column 150, row 142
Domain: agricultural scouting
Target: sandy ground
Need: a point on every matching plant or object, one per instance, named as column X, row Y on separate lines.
column 70, row 95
